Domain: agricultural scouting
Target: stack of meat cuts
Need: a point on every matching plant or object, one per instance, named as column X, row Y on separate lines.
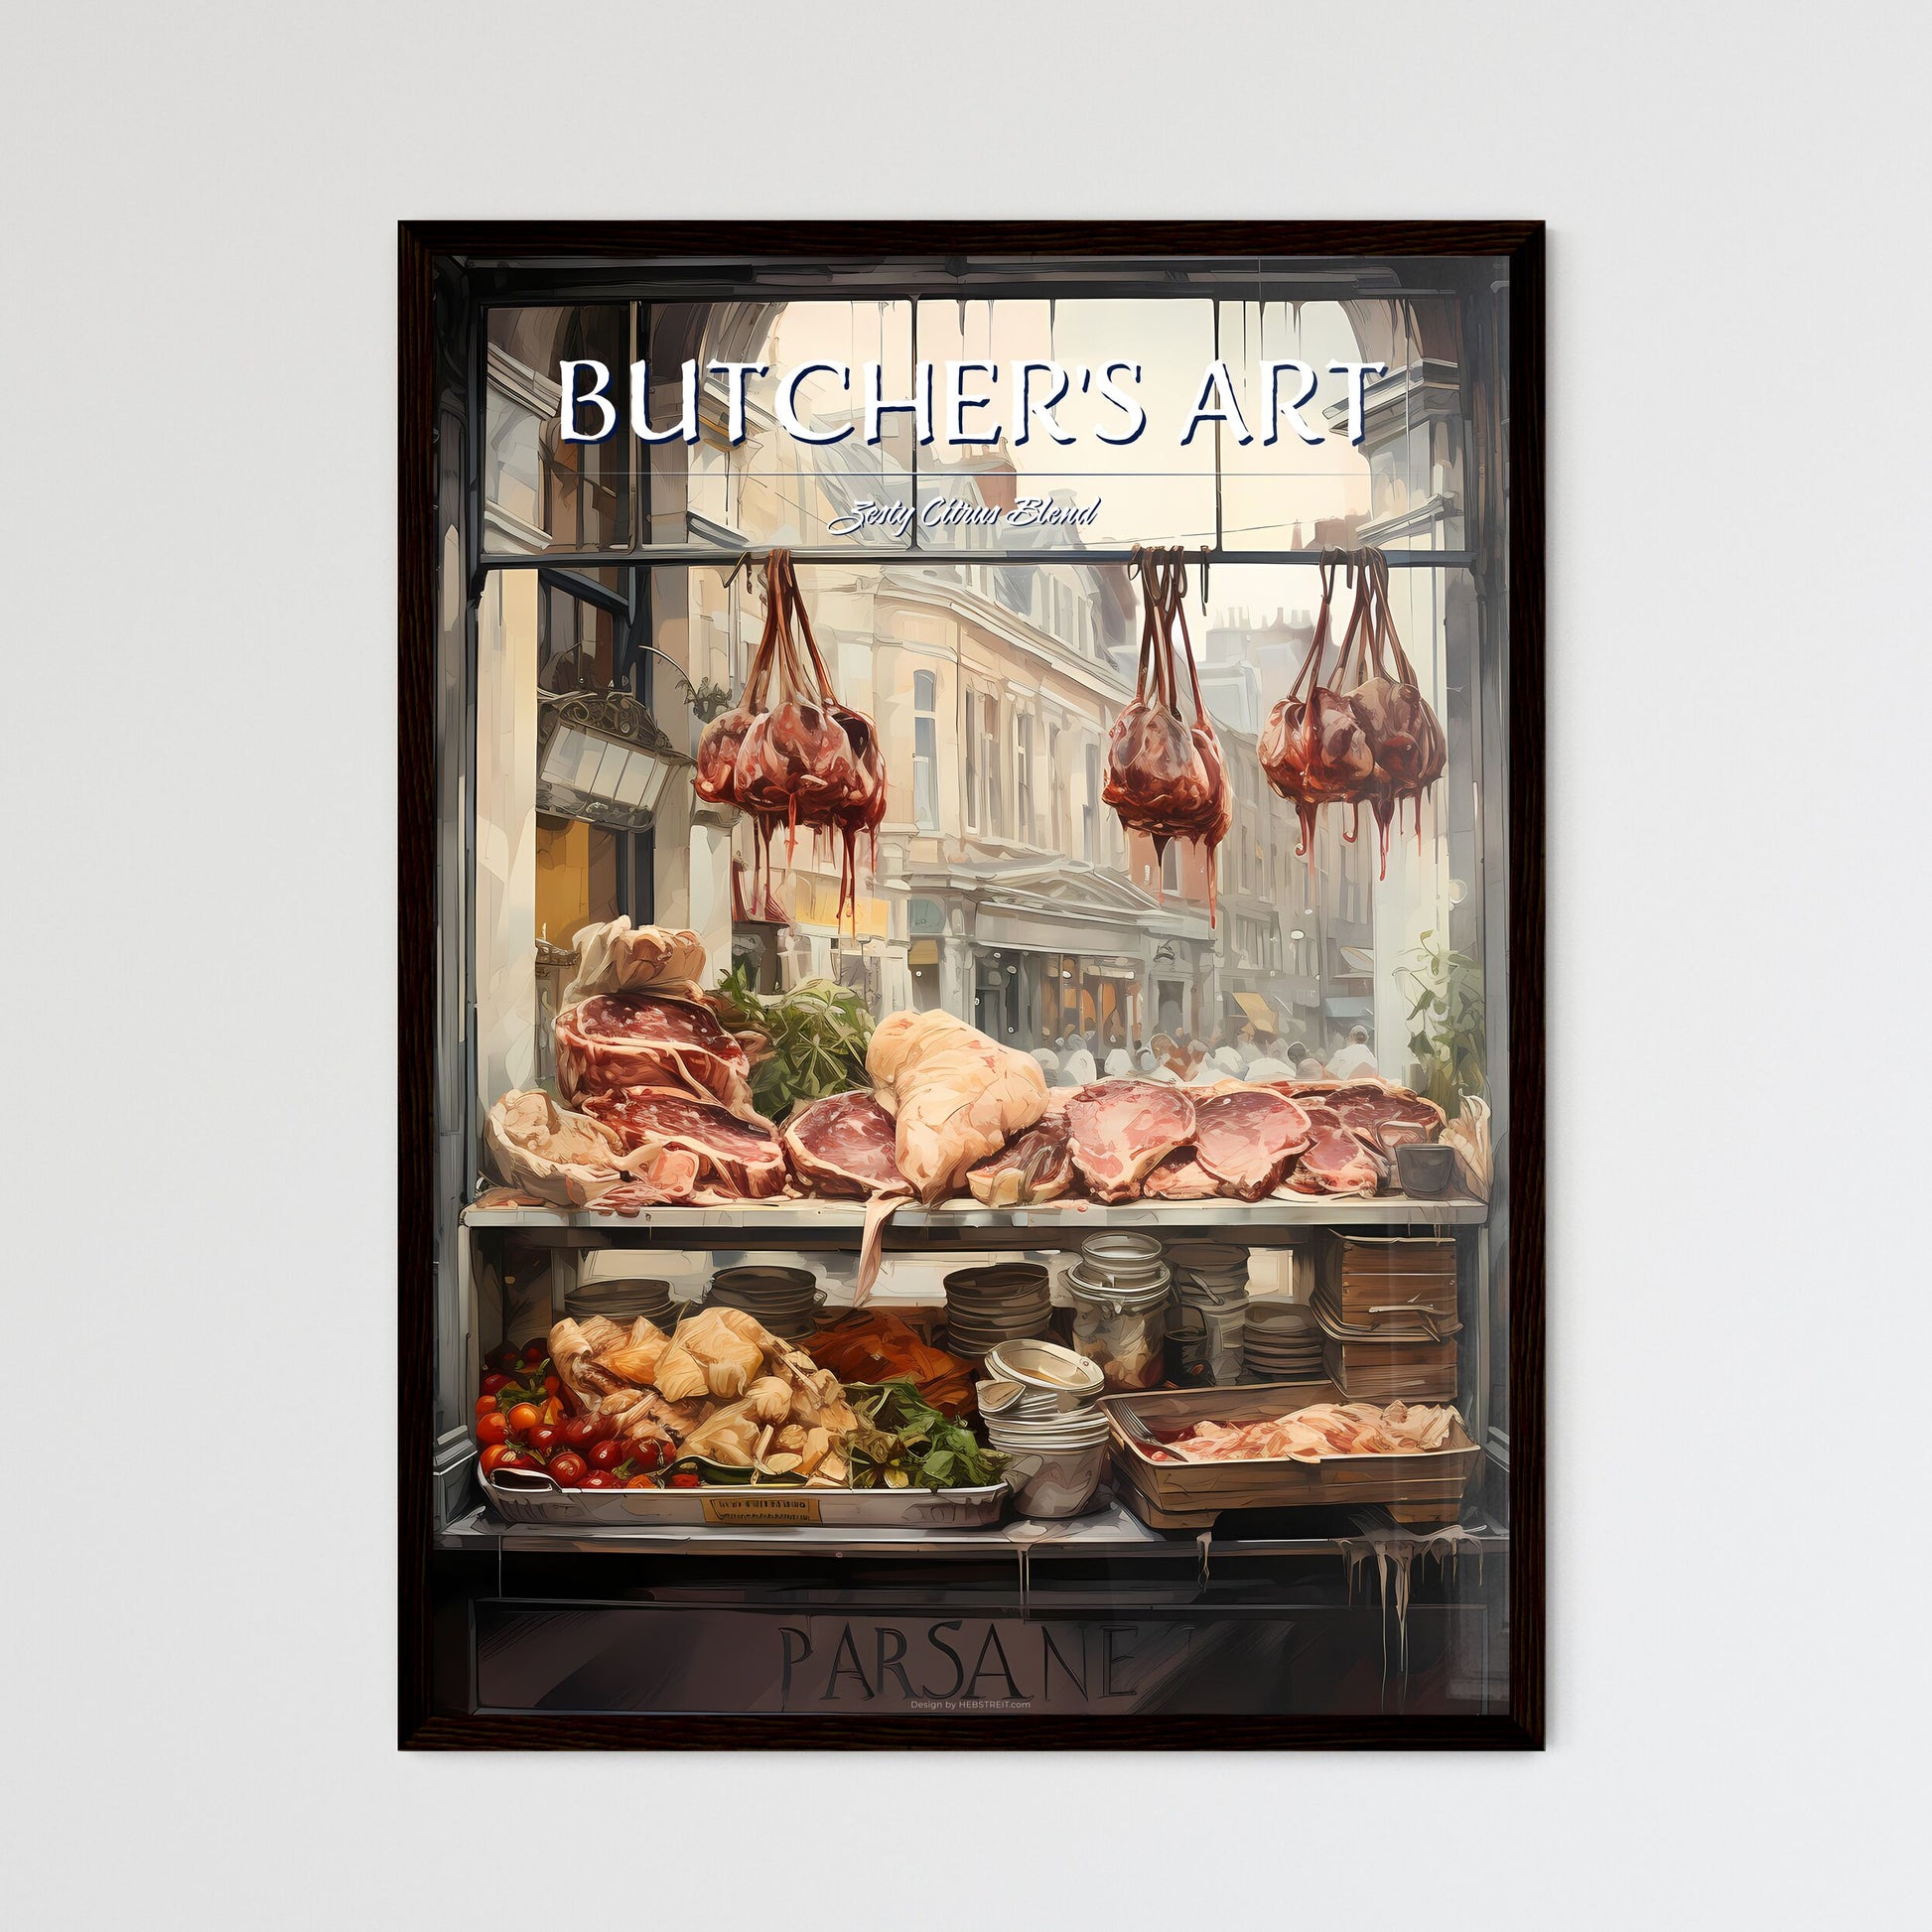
column 641, row 1055
column 1138, row 1139
column 1373, row 740
column 1165, row 777
column 795, row 756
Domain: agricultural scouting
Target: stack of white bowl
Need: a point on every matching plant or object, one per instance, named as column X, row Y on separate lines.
column 1037, row 1407
column 1282, row 1344
column 784, row 1300
column 622, row 1300
column 1119, row 1288
column 985, row 1307
column 1208, row 1320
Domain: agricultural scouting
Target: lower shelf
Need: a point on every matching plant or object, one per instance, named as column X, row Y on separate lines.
column 1114, row 1530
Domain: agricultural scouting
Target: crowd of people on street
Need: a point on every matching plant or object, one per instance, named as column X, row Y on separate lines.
column 1188, row 1061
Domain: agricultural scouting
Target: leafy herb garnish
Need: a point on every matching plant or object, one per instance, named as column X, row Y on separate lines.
column 816, row 1037
column 903, row 1443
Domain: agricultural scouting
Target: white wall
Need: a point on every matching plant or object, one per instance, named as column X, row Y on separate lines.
column 199, row 225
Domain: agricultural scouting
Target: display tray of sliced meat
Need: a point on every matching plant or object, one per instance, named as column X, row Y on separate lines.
column 736, row 1156
column 613, row 1041
column 1121, row 1128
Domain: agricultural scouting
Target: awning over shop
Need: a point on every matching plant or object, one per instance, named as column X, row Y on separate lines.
column 1259, row 1011
column 1350, row 1008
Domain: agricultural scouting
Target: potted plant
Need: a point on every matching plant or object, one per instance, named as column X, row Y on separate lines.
column 1447, row 1030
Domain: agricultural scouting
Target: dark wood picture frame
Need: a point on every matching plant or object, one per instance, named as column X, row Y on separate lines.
column 421, row 244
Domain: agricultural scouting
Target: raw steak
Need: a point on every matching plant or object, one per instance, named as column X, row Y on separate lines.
column 616, row 1040
column 1036, row 1165
column 843, row 1145
column 744, row 1155
column 1382, row 1117
column 1122, row 1128
column 670, row 1180
column 1180, row 1176
column 1247, row 1137
column 1335, row 1161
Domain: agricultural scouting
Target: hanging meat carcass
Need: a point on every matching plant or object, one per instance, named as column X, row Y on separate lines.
column 1165, row 777
column 795, row 756
column 1312, row 748
column 1375, row 742
column 1401, row 733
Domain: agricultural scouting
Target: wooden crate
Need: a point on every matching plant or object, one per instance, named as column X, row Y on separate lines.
column 1425, row 1488
column 1390, row 1280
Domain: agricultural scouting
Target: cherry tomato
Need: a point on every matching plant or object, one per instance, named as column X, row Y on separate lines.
column 494, row 1428
column 485, row 1405
column 687, row 1479
column 641, row 1483
column 599, row 1479
column 606, row 1454
column 568, row 1468
column 502, row 1358
column 519, row 1458
column 579, row 1432
column 543, row 1438
column 646, row 1455
column 496, row 1455
column 524, row 1418
column 494, row 1381
column 551, row 1386
column 602, row 1428
column 534, row 1352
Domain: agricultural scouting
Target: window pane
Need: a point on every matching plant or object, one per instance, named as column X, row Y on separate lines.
column 773, row 486
column 1401, row 487
column 1017, row 494
column 540, row 492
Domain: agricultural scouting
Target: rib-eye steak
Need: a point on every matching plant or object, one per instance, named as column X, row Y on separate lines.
column 742, row 1155
column 1335, row 1161
column 1122, row 1128
column 1180, row 1175
column 1036, row 1166
column 1246, row 1138
column 1381, row 1117
column 616, row 1040
column 843, row 1145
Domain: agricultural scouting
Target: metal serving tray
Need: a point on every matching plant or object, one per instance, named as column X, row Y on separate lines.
column 531, row 1497
column 1424, row 1487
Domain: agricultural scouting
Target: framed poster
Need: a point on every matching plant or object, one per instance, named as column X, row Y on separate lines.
column 971, row 1003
